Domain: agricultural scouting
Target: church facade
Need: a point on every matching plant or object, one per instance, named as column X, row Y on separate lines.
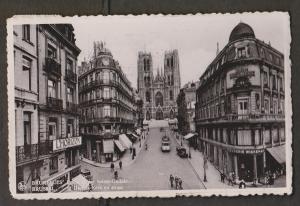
column 159, row 92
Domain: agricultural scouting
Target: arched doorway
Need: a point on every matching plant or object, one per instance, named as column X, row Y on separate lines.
column 171, row 114
column 159, row 114
column 159, row 99
column 148, row 115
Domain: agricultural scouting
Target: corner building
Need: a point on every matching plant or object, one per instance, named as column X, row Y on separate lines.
column 107, row 104
column 240, row 107
column 159, row 92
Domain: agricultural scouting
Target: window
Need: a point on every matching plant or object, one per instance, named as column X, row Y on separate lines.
column 27, row 62
column 257, row 101
column 27, row 128
column 105, row 77
column 280, row 83
column 244, row 137
column 274, row 83
column 266, row 134
column 106, row 93
column 52, row 130
column 52, row 52
column 106, row 111
column 70, row 93
column 70, row 128
column 91, row 78
column 241, row 52
column 159, row 99
column 53, row 165
column 275, row 106
column 266, row 106
column 265, row 78
column 26, row 32
column 171, row 95
column 52, row 88
column 69, row 64
column 148, row 96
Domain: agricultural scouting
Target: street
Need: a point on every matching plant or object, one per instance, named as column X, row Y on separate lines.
column 150, row 171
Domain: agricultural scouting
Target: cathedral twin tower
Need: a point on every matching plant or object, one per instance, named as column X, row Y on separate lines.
column 159, row 92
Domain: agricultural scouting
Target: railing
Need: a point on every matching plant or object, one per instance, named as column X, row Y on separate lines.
column 237, row 117
column 71, row 107
column 107, row 119
column 45, row 147
column 26, row 152
column 70, row 75
column 53, row 66
column 54, row 103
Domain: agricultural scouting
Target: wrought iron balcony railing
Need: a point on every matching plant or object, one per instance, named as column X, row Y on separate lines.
column 71, row 75
column 54, row 103
column 71, row 107
column 53, row 66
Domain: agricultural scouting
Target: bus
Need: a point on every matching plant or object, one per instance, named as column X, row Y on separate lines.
column 165, row 144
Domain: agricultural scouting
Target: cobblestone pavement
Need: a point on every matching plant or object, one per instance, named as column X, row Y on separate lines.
column 150, row 171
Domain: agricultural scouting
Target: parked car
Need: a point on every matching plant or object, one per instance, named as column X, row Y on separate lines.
column 181, row 152
column 87, row 174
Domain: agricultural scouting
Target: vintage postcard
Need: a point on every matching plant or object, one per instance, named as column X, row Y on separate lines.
column 149, row 105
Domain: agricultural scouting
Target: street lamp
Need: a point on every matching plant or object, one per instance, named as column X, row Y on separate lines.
column 204, row 167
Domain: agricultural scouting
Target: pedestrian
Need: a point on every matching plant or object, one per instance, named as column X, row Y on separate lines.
column 112, row 167
column 176, row 182
column 116, row 174
column 222, row 177
column 180, row 183
column 120, row 164
column 171, row 180
column 233, row 178
column 242, row 184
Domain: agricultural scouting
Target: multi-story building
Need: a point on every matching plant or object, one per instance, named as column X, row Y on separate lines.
column 159, row 92
column 240, row 107
column 47, row 133
column 190, row 98
column 26, row 106
column 107, row 105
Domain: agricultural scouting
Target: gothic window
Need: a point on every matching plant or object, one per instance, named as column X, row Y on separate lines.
column 148, row 96
column 159, row 99
column 171, row 95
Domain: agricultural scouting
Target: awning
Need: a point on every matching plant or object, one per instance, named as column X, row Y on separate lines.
column 278, row 153
column 108, row 146
column 125, row 141
column 81, row 181
column 189, row 135
column 119, row 145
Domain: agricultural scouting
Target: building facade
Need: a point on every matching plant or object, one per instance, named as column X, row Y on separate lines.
column 47, row 130
column 240, row 107
column 159, row 92
column 107, row 105
column 190, row 98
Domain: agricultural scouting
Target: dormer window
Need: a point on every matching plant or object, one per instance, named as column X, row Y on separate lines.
column 241, row 52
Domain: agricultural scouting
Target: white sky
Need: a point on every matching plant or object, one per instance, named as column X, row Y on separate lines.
column 195, row 37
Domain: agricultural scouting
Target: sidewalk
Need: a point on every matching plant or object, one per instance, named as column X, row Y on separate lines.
column 126, row 158
column 212, row 174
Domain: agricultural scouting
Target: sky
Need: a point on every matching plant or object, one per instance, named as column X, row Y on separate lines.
column 195, row 37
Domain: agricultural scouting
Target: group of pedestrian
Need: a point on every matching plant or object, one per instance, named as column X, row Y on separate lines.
column 231, row 178
column 176, row 182
column 112, row 169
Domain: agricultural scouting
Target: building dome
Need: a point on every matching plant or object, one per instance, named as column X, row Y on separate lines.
column 241, row 30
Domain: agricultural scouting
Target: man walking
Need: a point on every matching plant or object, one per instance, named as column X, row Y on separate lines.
column 176, row 182
column 171, row 180
column 120, row 164
column 112, row 167
column 180, row 183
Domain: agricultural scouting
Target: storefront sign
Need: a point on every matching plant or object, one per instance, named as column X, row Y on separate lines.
column 246, row 151
column 66, row 143
column 242, row 72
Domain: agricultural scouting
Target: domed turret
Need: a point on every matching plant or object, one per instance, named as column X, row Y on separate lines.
column 241, row 30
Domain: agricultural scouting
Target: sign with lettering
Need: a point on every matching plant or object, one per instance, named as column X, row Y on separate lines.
column 242, row 72
column 66, row 143
column 246, row 151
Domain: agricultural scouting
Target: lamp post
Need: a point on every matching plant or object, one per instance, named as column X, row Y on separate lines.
column 204, row 167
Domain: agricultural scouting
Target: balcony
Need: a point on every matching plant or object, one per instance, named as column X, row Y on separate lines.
column 71, row 107
column 53, row 66
column 71, row 76
column 45, row 147
column 26, row 152
column 54, row 103
column 239, row 118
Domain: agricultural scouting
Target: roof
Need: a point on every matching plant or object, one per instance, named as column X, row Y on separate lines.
column 278, row 153
column 240, row 31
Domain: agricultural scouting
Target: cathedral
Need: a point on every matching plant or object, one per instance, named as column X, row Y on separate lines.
column 159, row 92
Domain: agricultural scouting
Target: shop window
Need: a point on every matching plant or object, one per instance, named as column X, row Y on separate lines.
column 244, row 137
column 26, row 32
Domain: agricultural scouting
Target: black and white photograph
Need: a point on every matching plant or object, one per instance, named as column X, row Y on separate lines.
column 149, row 105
